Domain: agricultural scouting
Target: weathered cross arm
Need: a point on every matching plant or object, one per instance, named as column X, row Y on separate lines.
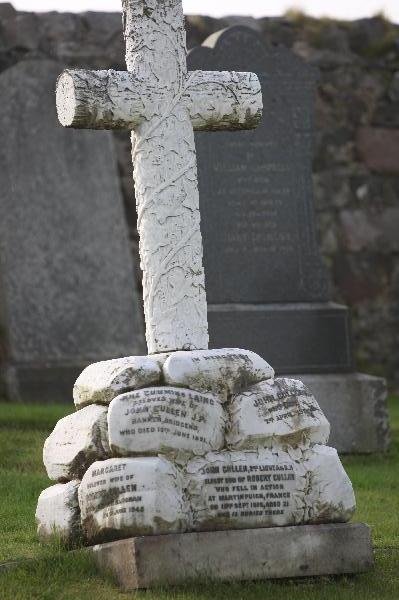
column 216, row 100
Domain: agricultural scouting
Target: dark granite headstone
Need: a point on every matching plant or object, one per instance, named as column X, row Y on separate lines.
column 67, row 285
column 266, row 285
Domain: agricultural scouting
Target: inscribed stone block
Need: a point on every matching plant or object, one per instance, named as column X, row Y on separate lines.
column 283, row 412
column 256, row 186
column 174, row 421
column 268, row 488
column 121, row 497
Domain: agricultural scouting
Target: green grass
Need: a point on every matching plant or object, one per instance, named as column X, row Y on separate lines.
column 23, row 430
column 57, row 574
column 376, row 482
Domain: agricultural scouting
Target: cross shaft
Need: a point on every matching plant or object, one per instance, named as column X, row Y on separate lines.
column 162, row 103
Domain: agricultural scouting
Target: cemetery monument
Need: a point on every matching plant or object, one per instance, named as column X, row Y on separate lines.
column 188, row 463
column 65, row 259
column 267, row 287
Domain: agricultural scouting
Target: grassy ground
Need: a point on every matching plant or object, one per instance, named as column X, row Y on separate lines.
column 56, row 574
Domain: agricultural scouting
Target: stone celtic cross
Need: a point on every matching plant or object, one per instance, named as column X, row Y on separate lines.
column 163, row 104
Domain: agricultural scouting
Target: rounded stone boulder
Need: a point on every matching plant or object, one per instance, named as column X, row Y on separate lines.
column 76, row 442
column 165, row 420
column 224, row 371
column 125, row 497
column 102, row 381
column 282, row 411
column 58, row 514
column 269, row 488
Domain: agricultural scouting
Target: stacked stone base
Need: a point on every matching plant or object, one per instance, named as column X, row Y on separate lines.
column 196, row 441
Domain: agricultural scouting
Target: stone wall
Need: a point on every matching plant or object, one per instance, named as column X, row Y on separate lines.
column 356, row 166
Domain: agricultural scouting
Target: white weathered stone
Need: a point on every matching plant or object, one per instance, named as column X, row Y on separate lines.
column 161, row 101
column 165, row 174
column 223, row 371
column 177, row 422
column 238, row 490
column 58, row 513
column 123, row 497
column 76, row 442
column 110, row 99
column 103, row 381
column 223, row 100
column 161, row 358
column 330, row 497
column 283, row 411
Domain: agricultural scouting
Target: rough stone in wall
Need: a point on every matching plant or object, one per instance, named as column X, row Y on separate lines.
column 91, row 39
column 378, row 147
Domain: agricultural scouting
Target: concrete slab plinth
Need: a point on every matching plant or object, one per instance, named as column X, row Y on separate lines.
column 273, row 553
